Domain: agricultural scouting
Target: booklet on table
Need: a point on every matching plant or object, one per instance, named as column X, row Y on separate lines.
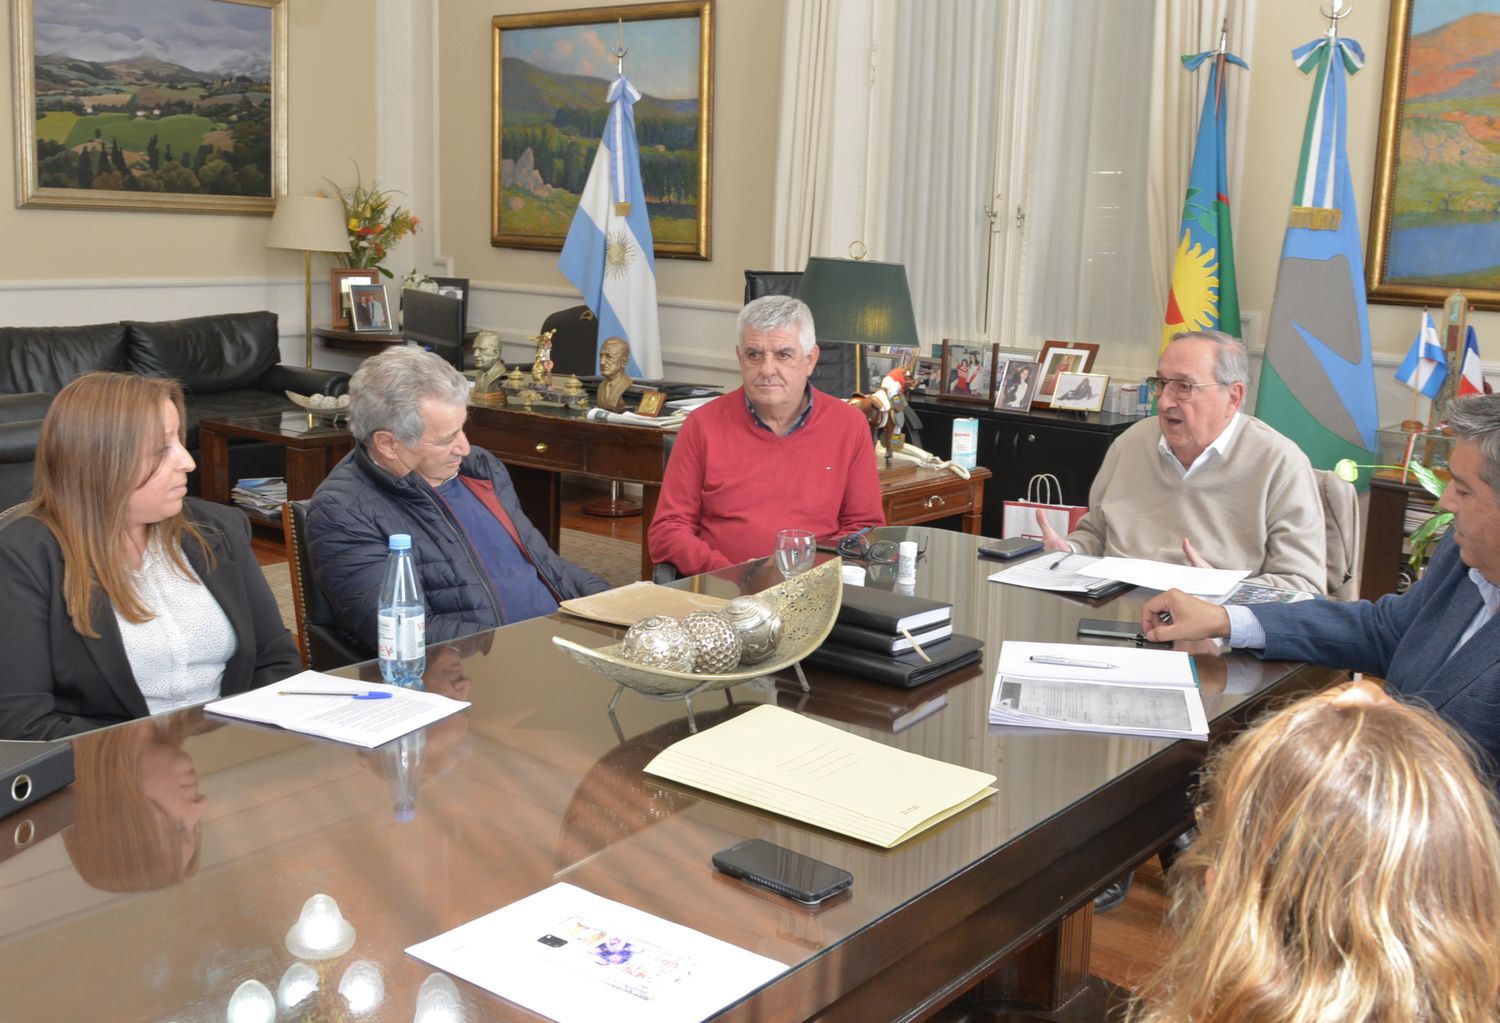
column 367, row 714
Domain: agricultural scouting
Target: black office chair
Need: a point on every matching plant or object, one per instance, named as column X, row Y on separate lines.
column 575, row 346
column 759, row 283
column 325, row 643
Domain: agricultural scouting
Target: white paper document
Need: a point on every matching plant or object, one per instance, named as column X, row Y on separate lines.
column 1159, row 575
column 789, row 764
column 1057, row 571
column 1120, row 690
column 367, row 722
column 576, row 957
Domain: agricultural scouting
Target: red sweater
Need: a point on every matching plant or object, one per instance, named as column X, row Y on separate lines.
column 731, row 484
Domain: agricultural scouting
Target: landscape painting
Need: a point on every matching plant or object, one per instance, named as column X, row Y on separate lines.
column 173, row 105
column 1436, row 214
column 552, row 74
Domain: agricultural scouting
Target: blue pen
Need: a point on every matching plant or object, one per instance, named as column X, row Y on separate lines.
column 368, row 695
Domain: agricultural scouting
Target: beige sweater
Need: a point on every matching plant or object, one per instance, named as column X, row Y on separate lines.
column 1255, row 507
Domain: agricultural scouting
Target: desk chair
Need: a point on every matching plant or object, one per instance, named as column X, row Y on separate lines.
column 771, row 282
column 575, row 346
column 1341, row 531
column 325, row 643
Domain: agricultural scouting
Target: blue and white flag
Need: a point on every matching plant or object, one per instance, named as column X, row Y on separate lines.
column 608, row 253
column 1425, row 366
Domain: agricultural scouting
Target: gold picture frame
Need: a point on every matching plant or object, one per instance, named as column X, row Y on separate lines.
column 1434, row 190
column 130, row 140
column 527, row 211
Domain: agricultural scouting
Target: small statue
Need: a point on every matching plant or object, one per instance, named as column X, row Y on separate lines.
column 541, row 366
column 490, row 377
column 614, row 356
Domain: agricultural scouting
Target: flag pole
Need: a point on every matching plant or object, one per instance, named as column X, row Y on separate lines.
column 1339, row 13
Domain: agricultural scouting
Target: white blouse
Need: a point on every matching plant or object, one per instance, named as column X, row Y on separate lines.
column 178, row 656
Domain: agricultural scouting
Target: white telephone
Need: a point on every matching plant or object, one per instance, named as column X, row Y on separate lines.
column 924, row 459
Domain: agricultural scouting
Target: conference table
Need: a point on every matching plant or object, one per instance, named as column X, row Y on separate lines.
column 171, row 872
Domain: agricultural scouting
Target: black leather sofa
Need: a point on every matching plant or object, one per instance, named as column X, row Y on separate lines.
column 228, row 365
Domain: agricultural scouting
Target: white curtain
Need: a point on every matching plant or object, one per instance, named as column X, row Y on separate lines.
column 1184, row 27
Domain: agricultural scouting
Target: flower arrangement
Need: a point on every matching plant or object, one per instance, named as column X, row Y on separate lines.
column 375, row 224
column 1426, row 536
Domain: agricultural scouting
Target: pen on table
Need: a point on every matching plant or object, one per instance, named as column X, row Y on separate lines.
column 1068, row 662
column 1053, row 567
column 367, row 695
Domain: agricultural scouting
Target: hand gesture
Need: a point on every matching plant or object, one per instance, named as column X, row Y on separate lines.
column 1050, row 538
column 1193, row 557
column 1175, row 615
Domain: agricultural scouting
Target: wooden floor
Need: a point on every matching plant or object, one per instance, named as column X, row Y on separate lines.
column 1129, row 941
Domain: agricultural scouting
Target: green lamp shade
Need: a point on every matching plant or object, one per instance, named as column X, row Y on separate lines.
column 859, row 300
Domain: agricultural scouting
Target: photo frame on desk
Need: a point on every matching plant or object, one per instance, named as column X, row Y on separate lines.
column 968, row 371
column 339, row 280
column 1062, row 357
column 370, row 308
column 1080, row 392
column 927, row 374
column 1016, row 382
column 876, row 361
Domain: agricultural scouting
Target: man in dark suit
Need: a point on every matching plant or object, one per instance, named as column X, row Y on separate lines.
column 1438, row 643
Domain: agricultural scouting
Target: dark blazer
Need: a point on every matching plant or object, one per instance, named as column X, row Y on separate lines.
column 56, row 682
column 1406, row 639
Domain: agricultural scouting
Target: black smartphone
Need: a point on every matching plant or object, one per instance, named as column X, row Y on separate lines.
column 798, row 877
column 1012, row 548
column 1103, row 629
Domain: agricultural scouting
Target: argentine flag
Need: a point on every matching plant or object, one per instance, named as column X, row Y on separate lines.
column 608, row 253
column 1425, row 366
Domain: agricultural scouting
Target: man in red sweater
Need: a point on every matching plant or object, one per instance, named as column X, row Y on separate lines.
column 774, row 454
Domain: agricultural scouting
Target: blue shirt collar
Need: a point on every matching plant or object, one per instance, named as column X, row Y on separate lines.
column 801, row 419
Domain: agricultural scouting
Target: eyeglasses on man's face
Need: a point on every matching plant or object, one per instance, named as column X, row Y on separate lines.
column 1180, row 390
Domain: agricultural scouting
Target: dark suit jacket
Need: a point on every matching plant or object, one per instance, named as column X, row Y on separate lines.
column 55, row 682
column 1407, row 640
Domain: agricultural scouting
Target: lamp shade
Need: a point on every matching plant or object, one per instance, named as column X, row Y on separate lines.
column 859, row 300
column 308, row 223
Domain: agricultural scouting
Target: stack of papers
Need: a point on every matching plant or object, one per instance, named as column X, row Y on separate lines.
column 264, row 494
column 1061, row 572
column 1058, row 572
column 671, row 422
column 367, row 714
column 822, row 775
column 1119, row 690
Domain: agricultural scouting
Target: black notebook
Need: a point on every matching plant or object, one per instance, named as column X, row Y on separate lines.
column 908, row 669
column 889, row 612
column 877, row 639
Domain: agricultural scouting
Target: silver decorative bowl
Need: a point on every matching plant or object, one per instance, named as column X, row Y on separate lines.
column 808, row 604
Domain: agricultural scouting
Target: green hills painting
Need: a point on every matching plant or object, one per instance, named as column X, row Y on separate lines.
column 156, row 98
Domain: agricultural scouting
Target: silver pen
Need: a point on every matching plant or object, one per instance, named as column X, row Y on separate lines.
column 1068, row 662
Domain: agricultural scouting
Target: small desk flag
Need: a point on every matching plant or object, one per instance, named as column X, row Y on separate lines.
column 1426, row 366
column 608, row 253
column 1471, row 377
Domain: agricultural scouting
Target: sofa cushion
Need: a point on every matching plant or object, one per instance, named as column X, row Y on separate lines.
column 45, row 359
column 224, row 352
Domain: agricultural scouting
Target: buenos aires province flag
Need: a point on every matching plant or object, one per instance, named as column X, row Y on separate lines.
column 608, row 253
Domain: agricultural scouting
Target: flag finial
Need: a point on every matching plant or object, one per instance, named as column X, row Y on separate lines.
column 1340, row 11
column 620, row 50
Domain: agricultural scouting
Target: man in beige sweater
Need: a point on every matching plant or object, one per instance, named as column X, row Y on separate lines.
column 1205, row 483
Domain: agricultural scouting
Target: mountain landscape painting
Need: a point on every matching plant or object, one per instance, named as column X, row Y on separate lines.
column 167, row 104
column 1444, row 200
column 551, row 107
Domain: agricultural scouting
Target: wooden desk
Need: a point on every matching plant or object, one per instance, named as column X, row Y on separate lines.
column 534, row 784
column 540, row 445
column 369, row 342
column 313, row 447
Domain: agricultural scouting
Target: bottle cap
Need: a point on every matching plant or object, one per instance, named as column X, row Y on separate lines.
column 400, row 541
column 854, row 575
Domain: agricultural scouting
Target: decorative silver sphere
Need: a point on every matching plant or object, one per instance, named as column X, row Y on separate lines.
column 659, row 642
column 758, row 625
column 715, row 640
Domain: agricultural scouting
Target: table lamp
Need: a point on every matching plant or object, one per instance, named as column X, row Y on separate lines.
column 311, row 223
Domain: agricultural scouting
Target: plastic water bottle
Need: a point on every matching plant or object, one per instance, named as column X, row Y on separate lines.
column 402, row 618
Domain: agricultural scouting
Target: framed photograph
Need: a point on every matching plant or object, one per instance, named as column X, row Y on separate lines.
column 927, row 375
column 165, row 105
column 1062, row 357
column 1435, row 223
column 369, row 309
column 968, row 371
column 651, row 403
column 1080, row 392
column 456, row 287
column 878, row 360
column 340, row 279
column 1016, row 382
column 551, row 75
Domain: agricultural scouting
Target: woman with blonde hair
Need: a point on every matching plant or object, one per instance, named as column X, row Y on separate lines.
column 121, row 596
column 1347, row 868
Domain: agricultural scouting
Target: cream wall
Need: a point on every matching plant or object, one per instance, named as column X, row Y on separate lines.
column 1278, row 110
column 515, row 289
column 60, row 266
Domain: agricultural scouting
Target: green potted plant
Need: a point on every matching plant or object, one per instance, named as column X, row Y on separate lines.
column 1427, row 535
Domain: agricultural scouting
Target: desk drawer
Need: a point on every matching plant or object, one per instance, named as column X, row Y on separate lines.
column 930, row 502
column 559, row 453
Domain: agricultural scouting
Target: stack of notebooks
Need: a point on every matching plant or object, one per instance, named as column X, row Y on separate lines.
column 894, row 638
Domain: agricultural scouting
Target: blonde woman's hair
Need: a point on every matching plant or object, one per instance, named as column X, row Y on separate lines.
column 1346, row 870
column 100, row 441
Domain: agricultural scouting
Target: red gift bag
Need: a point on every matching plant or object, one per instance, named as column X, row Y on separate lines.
column 1044, row 494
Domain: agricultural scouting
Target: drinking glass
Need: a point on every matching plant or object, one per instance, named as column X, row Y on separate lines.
column 795, row 551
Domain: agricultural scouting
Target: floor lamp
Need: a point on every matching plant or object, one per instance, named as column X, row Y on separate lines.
column 309, row 223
